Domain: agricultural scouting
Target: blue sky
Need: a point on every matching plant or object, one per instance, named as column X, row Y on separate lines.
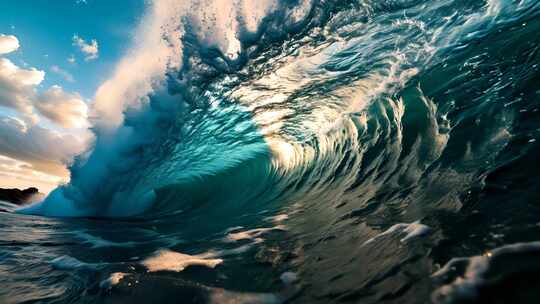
column 54, row 54
column 45, row 30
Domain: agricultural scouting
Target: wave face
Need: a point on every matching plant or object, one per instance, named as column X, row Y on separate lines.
column 288, row 98
column 344, row 117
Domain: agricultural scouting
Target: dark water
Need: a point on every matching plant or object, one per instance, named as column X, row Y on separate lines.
column 368, row 152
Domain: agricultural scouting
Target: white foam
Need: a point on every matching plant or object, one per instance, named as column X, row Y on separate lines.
column 112, row 280
column 166, row 260
column 251, row 234
column 56, row 204
column 412, row 230
column 465, row 287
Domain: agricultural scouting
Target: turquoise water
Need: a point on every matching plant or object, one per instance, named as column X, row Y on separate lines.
column 351, row 151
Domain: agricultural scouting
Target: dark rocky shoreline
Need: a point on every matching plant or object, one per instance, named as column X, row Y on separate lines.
column 19, row 197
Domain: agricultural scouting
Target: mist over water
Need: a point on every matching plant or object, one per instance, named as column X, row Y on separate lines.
column 301, row 152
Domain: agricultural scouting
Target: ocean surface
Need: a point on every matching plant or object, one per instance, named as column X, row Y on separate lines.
column 368, row 151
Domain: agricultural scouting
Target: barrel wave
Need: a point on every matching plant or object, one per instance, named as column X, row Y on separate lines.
column 350, row 148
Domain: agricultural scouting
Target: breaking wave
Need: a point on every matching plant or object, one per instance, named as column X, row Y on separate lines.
column 390, row 136
column 251, row 102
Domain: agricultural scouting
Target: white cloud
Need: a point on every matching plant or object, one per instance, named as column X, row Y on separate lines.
column 17, row 86
column 18, row 91
column 20, row 76
column 18, row 174
column 71, row 59
column 65, row 74
column 90, row 49
column 31, row 154
column 66, row 109
column 8, row 44
column 45, row 150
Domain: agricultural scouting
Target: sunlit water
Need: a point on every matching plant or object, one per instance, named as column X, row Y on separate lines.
column 352, row 151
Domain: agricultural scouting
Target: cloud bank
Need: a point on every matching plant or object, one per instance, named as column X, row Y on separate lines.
column 45, row 149
column 34, row 152
column 18, row 91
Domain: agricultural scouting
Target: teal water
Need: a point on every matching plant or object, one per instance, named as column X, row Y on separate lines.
column 352, row 151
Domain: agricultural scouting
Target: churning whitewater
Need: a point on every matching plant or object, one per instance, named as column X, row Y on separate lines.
column 302, row 151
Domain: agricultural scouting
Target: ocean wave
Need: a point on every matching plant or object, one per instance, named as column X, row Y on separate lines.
column 353, row 145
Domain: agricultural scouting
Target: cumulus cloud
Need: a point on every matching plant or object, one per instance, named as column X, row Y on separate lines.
column 31, row 154
column 65, row 74
column 18, row 91
column 90, row 48
column 66, row 109
column 8, row 44
column 45, row 150
column 20, row 76
column 17, row 86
